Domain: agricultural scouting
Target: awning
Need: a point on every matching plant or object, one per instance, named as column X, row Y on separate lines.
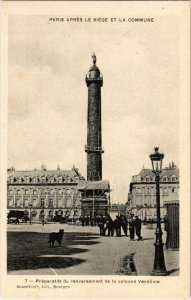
column 16, row 214
column 94, row 185
column 173, row 198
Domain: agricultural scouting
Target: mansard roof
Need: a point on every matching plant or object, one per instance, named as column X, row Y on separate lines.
column 147, row 173
column 65, row 174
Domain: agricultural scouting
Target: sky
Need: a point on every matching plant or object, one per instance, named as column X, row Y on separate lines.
column 47, row 103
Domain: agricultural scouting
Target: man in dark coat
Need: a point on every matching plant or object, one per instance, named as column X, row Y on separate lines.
column 131, row 228
column 138, row 228
column 124, row 223
column 109, row 225
column 101, row 225
column 117, row 226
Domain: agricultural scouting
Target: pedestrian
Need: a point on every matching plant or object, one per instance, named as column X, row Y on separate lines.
column 87, row 221
column 117, row 226
column 109, row 225
column 131, row 228
column 138, row 228
column 101, row 225
column 124, row 223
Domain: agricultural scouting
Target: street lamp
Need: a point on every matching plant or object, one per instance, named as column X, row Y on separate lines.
column 159, row 268
column 42, row 214
column 30, row 221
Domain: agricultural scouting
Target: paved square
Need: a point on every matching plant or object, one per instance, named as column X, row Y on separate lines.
column 83, row 251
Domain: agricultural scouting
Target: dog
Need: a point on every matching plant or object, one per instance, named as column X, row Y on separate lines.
column 56, row 236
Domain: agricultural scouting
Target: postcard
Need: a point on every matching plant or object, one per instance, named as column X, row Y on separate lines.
column 95, row 169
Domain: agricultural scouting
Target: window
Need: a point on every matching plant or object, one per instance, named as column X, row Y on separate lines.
column 68, row 191
column 26, row 202
column 165, row 191
column 60, row 179
column 10, row 192
column 18, row 203
column 43, row 179
column 33, row 213
column 42, row 202
column 138, row 190
column 52, row 180
column 147, row 179
column 60, row 192
column 35, row 192
column 50, row 203
column 51, row 192
column 35, row 180
column 27, row 192
column 27, row 180
column 173, row 178
column 164, row 178
column 60, row 204
column 11, row 180
column 19, row 192
column 34, row 202
column 10, row 202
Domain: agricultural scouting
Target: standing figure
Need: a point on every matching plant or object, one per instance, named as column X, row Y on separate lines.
column 117, row 226
column 101, row 225
column 124, row 223
column 109, row 225
column 138, row 228
column 87, row 220
column 131, row 229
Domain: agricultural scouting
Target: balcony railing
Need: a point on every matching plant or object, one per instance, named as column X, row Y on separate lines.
column 94, row 149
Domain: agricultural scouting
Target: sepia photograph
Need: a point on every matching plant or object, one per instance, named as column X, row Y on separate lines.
column 94, row 139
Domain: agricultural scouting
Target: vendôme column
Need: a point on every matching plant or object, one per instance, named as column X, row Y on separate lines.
column 94, row 81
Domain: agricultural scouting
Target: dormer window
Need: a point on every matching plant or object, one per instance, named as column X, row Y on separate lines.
column 52, row 180
column 60, row 179
column 12, row 180
column 27, row 180
column 35, row 180
column 43, row 179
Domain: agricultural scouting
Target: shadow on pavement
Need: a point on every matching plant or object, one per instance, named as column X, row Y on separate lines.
column 173, row 270
column 25, row 250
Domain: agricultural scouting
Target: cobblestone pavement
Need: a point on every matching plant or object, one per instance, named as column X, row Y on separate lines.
column 96, row 255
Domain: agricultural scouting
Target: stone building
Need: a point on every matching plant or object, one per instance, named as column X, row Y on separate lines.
column 49, row 192
column 142, row 191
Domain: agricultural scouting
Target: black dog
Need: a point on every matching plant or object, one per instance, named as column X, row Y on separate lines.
column 56, row 236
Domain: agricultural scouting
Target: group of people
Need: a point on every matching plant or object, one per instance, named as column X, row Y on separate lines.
column 109, row 227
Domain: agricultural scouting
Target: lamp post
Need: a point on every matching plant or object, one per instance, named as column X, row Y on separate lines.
column 159, row 268
column 30, row 221
column 42, row 214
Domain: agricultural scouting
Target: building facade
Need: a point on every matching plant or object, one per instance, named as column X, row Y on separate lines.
column 142, row 191
column 44, row 192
